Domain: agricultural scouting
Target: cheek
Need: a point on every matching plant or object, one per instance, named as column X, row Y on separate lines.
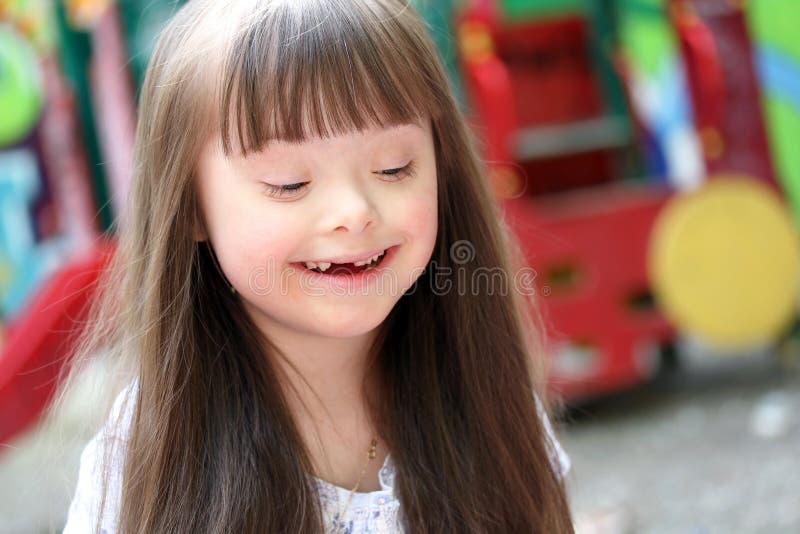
column 250, row 236
column 420, row 219
column 420, row 225
column 427, row 210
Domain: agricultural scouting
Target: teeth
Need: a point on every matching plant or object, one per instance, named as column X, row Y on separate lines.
column 321, row 266
column 324, row 265
column 370, row 261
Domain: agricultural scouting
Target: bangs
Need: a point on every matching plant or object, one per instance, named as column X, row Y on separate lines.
column 320, row 68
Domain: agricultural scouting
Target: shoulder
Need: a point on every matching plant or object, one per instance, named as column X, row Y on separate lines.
column 102, row 459
column 558, row 456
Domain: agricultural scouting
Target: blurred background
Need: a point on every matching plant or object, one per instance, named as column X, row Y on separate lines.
column 645, row 152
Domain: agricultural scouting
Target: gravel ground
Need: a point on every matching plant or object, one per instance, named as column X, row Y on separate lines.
column 714, row 448
column 709, row 449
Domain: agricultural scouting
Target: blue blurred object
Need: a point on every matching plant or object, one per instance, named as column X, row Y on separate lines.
column 780, row 74
column 24, row 263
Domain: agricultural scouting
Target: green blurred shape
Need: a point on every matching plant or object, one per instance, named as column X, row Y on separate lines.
column 526, row 9
column 776, row 22
column 646, row 35
column 20, row 87
column 774, row 27
column 783, row 121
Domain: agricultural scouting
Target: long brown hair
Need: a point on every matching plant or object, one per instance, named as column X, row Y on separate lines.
column 212, row 445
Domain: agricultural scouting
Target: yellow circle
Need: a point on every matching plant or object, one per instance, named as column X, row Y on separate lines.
column 725, row 263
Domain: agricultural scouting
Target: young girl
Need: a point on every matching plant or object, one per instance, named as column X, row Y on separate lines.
column 300, row 294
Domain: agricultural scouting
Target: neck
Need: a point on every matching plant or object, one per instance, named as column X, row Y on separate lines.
column 323, row 379
column 323, row 376
column 327, row 374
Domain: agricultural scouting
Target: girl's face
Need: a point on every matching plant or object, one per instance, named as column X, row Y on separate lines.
column 337, row 201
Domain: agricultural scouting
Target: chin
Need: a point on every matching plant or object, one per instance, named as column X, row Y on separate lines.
column 338, row 320
column 344, row 325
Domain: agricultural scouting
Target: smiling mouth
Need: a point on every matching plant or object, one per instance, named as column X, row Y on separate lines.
column 345, row 269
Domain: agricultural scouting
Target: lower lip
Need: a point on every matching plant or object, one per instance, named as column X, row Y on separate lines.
column 349, row 281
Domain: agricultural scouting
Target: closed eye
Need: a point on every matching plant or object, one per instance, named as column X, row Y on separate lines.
column 283, row 191
column 398, row 173
column 294, row 190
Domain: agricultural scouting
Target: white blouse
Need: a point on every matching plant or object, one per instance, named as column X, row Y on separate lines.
column 370, row 512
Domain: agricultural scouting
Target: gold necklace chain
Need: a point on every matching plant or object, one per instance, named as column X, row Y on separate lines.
column 371, row 453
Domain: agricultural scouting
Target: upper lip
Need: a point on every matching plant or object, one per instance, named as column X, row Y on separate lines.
column 351, row 258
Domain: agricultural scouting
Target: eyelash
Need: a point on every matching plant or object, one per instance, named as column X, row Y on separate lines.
column 401, row 172
column 281, row 191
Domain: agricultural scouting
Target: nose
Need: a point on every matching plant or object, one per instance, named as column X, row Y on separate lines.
column 350, row 210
